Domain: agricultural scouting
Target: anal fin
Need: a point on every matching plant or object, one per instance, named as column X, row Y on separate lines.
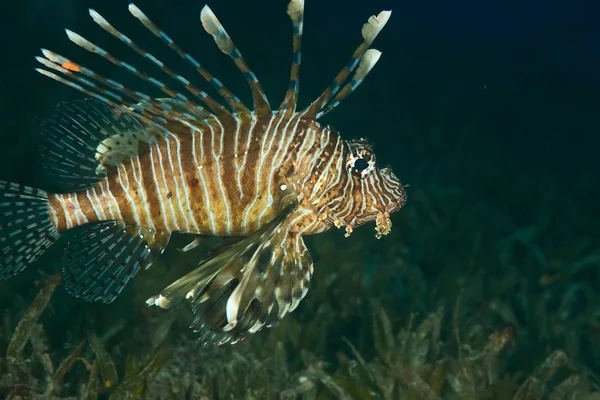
column 246, row 284
column 104, row 256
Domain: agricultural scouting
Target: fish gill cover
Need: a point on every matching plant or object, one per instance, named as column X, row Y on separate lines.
column 486, row 287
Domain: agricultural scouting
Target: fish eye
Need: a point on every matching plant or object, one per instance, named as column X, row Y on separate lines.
column 360, row 164
column 361, row 160
column 361, row 167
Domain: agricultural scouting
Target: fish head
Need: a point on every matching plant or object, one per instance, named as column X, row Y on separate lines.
column 376, row 192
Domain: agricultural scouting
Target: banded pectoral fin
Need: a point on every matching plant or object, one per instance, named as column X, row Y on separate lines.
column 104, row 256
column 247, row 284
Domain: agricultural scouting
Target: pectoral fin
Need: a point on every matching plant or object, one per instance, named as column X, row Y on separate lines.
column 246, row 283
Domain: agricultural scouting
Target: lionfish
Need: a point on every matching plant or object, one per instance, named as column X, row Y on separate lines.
column 136, row 168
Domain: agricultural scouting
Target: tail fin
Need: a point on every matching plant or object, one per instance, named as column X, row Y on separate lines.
column 25, row 227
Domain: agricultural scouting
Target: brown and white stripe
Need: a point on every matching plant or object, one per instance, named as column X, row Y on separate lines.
column 222, row 172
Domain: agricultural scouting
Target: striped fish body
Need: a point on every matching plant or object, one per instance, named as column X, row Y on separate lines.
column 219, row 179
column 136, row 168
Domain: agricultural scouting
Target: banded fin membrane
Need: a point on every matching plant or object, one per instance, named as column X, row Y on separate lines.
column 81, row 137
column 233, row 101
column 367, row 62
column 181, row 107
column 245, row 284
column 25, row 228
column 295, row 11
column 369, row 32
column 213, row 27
column 104, row 256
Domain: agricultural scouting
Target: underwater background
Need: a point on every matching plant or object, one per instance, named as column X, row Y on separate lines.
column 488, row 286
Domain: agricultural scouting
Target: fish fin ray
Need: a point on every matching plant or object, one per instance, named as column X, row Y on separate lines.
column 191, row 88
column 83, row 136
column 181, row 107
column 295, row 11
column 213, row 27
column 247, row 284
column 26, row 231
column 369, row 32
column 104, row 256
column 234, row 102
column 367, row 62
column 114, row 93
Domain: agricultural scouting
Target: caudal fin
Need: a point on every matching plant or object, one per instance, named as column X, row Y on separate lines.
column 25, row 227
